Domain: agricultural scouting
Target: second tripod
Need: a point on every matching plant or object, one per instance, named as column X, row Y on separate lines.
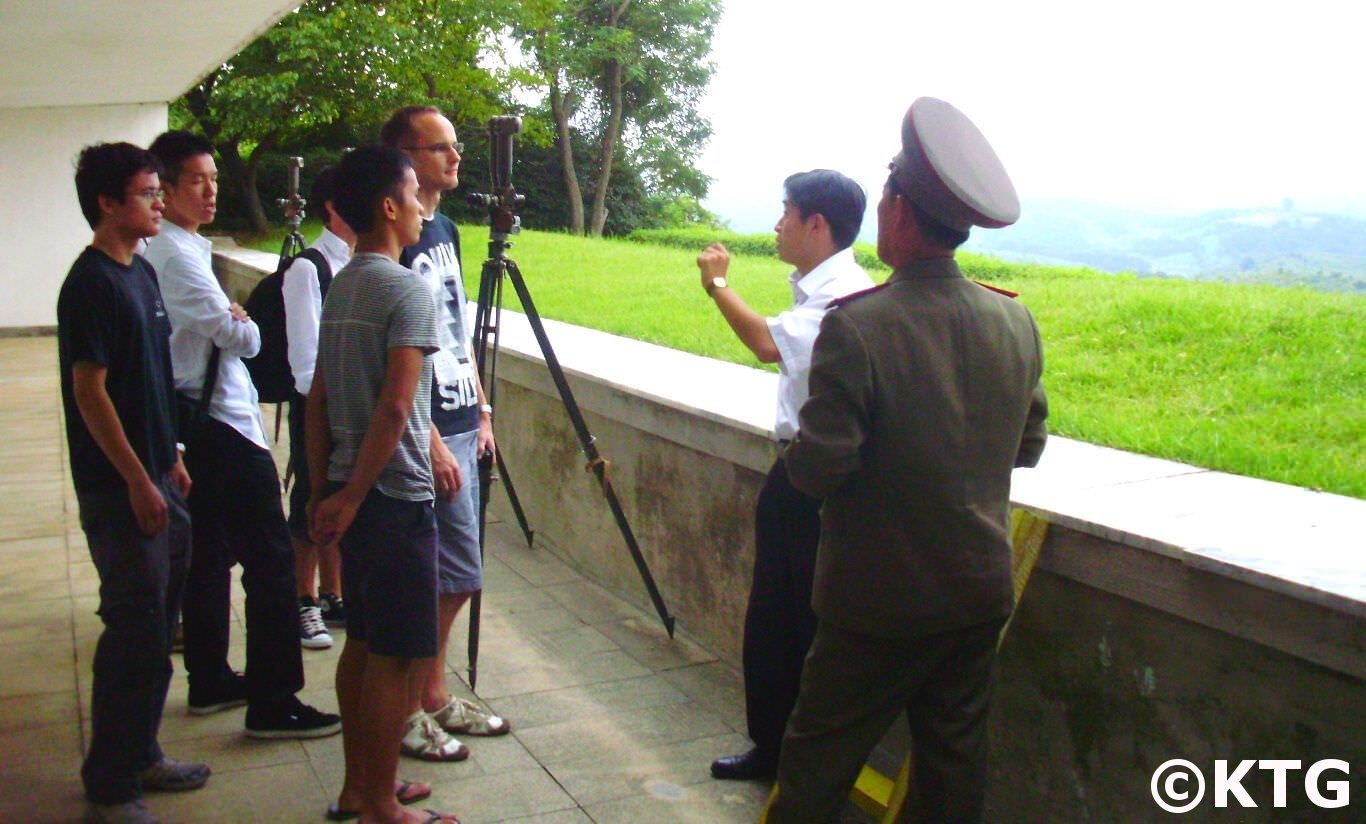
column 497, row 269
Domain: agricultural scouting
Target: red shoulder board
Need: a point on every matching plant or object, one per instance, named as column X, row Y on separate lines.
column 852, row 295
column 997, row 289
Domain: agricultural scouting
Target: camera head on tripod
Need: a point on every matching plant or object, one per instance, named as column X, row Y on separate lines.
column 293, row 206
column 502, row 200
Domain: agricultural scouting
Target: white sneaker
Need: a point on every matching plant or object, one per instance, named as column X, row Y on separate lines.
column 467, row 718
column 423, row 738
column 312, row 631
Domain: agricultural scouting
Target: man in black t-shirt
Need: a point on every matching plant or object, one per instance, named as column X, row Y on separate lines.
column 117, row 393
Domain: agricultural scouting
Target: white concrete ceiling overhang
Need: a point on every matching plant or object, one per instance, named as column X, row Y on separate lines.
column 110, row 52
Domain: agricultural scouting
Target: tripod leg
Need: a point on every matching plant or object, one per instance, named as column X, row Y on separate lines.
column 486, row 358
column 477, row 599
column 517, row 511
column 472, row 646
column 586, row 439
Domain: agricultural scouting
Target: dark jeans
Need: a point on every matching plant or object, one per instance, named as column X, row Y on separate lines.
column 237, row 518
column 140, row 585
column 779, row 623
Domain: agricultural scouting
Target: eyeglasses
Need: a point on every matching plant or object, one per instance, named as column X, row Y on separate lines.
column 150, row 195
column 437, row 148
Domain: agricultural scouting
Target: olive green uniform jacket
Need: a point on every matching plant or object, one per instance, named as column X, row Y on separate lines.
column 925, row 394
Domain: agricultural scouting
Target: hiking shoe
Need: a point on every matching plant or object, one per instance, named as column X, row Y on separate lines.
column 216, row 696
column 171, row 776
column 290, row 718
column 423, row 738
column 466, row 718
column 312, row 633
column 333, row 609
column 130, row 812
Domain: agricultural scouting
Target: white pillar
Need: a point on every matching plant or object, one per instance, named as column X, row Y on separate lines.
column 41, row 227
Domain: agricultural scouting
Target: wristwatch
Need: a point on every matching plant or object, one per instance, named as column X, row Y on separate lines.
column 486, row 409
column 716, row 283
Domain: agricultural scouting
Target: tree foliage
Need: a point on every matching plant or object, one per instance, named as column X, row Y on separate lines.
column 627, row 75
column 608, row 92
column 331, row 71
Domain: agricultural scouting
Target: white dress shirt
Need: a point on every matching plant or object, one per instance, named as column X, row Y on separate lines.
column 794, row 331
column 304, row 306
column 198, row 310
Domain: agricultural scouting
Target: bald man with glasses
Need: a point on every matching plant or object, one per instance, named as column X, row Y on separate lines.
column 462, row 423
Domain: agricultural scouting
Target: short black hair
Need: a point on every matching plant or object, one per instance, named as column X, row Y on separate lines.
column 364, row 177
column 946, row 237
column 399, row 126
column 324, row 189
column 105, row 169
column 175, row 147
column 831, row 195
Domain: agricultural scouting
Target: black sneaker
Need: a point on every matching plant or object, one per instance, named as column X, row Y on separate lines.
column 312, row 633
column 334, row 611
column 216, row 696
column 290, row 718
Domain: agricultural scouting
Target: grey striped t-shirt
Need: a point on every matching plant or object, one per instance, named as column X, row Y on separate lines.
column 374, row 305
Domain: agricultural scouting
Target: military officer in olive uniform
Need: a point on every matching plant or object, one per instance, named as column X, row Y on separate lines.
column 925, row 394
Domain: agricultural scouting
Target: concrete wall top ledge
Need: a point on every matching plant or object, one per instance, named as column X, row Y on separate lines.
column 1295, row 541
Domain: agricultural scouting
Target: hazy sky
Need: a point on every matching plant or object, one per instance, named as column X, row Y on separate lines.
column 1171, row 104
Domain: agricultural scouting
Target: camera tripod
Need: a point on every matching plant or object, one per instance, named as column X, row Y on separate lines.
column 497, row 269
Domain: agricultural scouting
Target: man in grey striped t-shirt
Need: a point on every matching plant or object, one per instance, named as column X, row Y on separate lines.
column 376, row 307
column 371, row 474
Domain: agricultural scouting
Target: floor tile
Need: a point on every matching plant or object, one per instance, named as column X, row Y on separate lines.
column 536, row 709
column 47, row 667
column 510, row 794
column 33, row 711
column 623, row 737
column 665, row 803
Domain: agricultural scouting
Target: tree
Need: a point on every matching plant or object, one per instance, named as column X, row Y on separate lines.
column 629, row 73
column 336, row 68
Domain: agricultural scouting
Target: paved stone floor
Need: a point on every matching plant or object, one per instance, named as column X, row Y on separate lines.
column 614, row 723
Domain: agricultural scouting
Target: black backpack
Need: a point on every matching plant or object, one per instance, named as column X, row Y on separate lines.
column 266, row 305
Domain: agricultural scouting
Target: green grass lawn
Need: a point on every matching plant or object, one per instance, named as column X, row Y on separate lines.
column 1255, row 380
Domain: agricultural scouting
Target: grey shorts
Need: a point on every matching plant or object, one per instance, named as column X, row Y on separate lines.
column 459, row 567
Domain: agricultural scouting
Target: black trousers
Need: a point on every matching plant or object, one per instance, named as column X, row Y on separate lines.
column 236, row 517
column 779, row 623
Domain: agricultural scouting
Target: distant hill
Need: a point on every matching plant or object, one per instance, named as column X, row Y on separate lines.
column 1280, row 246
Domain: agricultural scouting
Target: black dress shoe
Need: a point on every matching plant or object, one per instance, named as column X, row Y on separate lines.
column 747, row 767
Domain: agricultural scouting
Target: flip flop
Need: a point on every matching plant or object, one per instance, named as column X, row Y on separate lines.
column 404, row 798
column 434, row 817
column 335, row 813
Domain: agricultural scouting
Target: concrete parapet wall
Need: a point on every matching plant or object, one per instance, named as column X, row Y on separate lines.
column 238, row 269
column 1119, row 661
column 691, row 511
